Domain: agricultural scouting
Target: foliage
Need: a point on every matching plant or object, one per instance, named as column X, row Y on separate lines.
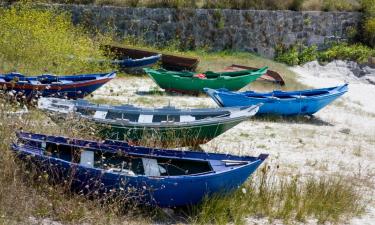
column 343, row 5
column 344, row 51
column 327, row 199
column 328, row 5
column 308, row 54
column 288, row 56
column 368, row 34
column 36, row 41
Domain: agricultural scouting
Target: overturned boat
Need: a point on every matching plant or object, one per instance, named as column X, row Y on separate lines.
column 285, row 103
column 166, row 178
column 166, row 126
column 72, row 86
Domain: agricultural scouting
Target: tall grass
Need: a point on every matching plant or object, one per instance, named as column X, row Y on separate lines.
column 45, row 41
column 325, row 198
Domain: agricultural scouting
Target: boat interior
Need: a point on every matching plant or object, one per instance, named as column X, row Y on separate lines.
column 286, row 95
column 137, row 116
column 127, row 164
column 45, row 79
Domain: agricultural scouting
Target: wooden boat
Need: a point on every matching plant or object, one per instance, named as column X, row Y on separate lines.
column 270, row 76
column 190, row 82
column 73, row 86
column 131, row 60
column 166, row 178
column 286, row 103
column 170, row 62
column 179, row 63
column 168, row 126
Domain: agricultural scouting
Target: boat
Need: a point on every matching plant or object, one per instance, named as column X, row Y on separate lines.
column 72, row 86
column 149, row 176
column 130, row 59
column 179, row 63
column 167, row 126
column 270, row 76
column 190, row 82
column 285, row 103
column 168, row 61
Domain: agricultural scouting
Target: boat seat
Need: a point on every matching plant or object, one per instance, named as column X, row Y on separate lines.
column 34, row 82
column 145, row 118
column 87, row 159
column 298, row 96
column 100, row 114
column 152, row 168
column 186, row 118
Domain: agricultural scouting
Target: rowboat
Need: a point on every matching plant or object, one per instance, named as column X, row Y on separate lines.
column 168, row 61
column 270, row 76
column 167, row 126
column 179, row 63
column 130, row 59
column 190, row 82
column 166, row 178
column 286, row 103
column 73, row 86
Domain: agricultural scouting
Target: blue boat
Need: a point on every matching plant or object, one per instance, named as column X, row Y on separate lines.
column 72, row 86
column 166, row 178
column 285, row 103
column 136, row 63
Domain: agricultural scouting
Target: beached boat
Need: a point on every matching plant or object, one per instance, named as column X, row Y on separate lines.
column 286, row 103
column 170, row 62
column 190, row 82
column 73, row 86
column 130, row 59
column 167, row 126
column 270, row 76
column 166, row 178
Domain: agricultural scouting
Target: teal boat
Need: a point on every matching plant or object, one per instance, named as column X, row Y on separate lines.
column 166, row 126
column 187, row 82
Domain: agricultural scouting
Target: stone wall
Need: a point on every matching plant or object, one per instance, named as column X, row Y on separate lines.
column 258, row 31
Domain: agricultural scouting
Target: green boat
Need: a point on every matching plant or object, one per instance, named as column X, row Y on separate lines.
column 194, row 82
column 166, row 126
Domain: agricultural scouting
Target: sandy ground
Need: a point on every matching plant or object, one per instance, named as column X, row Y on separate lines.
column 339, row 140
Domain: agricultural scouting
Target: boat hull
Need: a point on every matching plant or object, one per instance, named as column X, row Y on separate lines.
column 277, row 106
column 168, row 136
column 71, row 91
column 196, row 84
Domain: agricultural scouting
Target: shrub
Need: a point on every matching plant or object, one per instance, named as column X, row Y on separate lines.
column 35, row 41
column 287, row 56
column 308, row 54
column 369, row 31
column 342, row 5
column 343, row 51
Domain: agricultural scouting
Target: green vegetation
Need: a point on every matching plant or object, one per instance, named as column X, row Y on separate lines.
column 36, row 41
column 290, row 199
column 369, row 22
column 344, row 51
column 326, row 5
column 296, row 55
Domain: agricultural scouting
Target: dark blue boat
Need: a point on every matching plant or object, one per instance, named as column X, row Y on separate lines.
column 286, row 103
column 73, row 86
column 161, row 177
column 132, row 63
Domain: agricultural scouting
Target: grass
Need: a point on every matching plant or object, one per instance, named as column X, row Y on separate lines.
column 283, row 198
column 25, row 193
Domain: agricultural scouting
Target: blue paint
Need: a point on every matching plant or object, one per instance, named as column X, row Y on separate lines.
column 164, row 191
column 306, row 102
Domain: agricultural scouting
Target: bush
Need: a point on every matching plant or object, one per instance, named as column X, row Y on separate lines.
column 308, row 54
column 289, row 56
column 35, row 41
column 357, row 52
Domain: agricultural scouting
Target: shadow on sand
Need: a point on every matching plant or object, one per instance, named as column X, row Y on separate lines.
column 312, row 120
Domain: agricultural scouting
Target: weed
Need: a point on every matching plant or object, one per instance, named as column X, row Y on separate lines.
column 326, row 198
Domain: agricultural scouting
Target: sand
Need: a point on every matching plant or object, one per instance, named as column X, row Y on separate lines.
column 339, row 140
